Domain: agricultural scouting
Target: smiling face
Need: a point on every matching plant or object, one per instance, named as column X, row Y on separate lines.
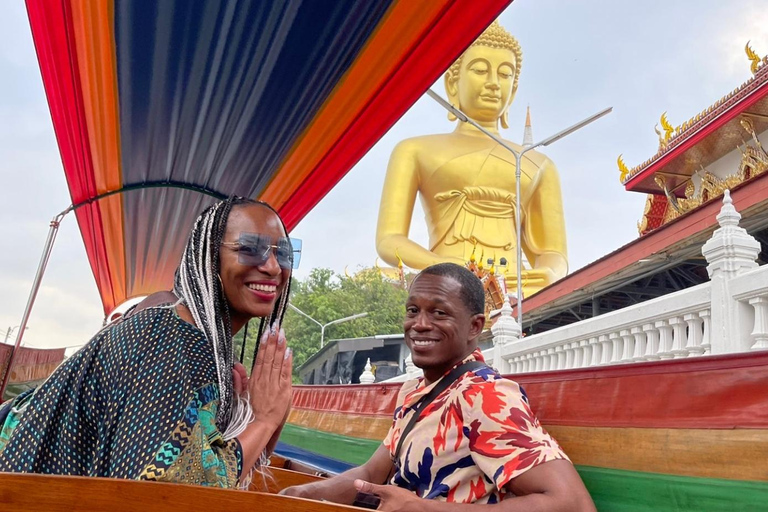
column 485, row 84
column 251, row 290
column 439, row 329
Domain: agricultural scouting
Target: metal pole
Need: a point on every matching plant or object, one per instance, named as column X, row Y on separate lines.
column 519, row 252
column 33, row 294
column 322, row 335
column 339, row 321
column 518, row 174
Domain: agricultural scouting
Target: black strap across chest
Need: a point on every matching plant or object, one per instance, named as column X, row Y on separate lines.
column 422, row 404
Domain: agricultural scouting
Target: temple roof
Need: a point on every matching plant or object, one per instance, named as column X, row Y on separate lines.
column 704, row 138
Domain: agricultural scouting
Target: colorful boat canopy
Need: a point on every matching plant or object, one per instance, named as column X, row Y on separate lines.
column 175, row 102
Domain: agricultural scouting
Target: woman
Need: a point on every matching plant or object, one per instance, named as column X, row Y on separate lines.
column 156, row 395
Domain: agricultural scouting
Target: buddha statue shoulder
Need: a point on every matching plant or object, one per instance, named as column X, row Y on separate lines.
column 466, row 181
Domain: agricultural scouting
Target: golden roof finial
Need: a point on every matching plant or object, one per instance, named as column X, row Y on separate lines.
column 480, row 263
column 399, row 259
column 472, row 256
column 668, row 128
column 753, row 57
column 623, row 168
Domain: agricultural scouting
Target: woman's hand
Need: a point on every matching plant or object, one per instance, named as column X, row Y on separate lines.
column 270, row 384
column 239, row 378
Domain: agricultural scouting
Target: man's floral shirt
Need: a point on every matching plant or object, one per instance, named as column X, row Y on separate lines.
column 471, row 441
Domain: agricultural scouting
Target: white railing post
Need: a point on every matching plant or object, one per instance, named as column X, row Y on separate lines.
column 706, row 316
column 731, row 251
column 616, row 348
column 561, row 358
column 639, row 336
column 695, row 334
column 574, row 354
column 678, row 337
column 651, row 342
column 597, row 351
column 586, row 353
column 528, row 365
column 629, row 346
column 759, row 336
column 606, row 358
column 665, row 339
column 550, row 359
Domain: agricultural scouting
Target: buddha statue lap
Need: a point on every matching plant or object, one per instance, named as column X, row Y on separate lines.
column 466, row 181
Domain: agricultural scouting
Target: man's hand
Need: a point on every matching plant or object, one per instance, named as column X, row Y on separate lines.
column 393, row 498
column 297, row 491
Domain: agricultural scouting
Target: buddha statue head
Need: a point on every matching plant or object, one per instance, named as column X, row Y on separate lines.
column 483, row 81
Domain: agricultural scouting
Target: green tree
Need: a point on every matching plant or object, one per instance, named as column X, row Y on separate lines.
column 327, row 296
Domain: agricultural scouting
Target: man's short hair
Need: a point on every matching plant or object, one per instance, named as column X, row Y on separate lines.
column 472, row 293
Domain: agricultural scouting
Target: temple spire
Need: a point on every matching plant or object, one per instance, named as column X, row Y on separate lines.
column 528, row 134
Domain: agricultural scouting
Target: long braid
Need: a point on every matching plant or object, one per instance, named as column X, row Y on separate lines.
column 198, row 285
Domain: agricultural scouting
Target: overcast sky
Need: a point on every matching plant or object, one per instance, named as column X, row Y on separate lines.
column 642, row 58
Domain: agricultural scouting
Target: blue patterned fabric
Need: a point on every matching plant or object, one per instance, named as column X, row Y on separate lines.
column 138, row 401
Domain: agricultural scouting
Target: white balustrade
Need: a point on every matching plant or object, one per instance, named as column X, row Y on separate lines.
column 725, row 315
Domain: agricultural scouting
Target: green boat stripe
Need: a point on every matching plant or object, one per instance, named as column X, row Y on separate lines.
column 347, row 449
column 620, row 490
column 612, row 489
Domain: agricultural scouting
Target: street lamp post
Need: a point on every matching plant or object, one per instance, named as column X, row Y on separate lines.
column 323, row 326
column 9, row 332
column 518, row 159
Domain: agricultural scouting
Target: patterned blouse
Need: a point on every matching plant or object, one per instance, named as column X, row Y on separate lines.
column 471, row 441
column 138, row 401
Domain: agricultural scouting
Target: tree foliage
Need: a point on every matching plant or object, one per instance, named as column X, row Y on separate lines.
column 327, row 296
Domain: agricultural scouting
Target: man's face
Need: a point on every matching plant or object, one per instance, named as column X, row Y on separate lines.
column 439, row 329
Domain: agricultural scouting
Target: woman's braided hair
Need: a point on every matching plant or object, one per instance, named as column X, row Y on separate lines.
column 198, row 285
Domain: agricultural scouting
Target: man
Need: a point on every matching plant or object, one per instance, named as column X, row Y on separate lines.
column 477, row 442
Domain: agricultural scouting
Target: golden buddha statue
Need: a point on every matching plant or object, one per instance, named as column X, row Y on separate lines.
column 466, row 180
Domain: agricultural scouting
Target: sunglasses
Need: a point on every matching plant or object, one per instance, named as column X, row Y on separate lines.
column 253, row 249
